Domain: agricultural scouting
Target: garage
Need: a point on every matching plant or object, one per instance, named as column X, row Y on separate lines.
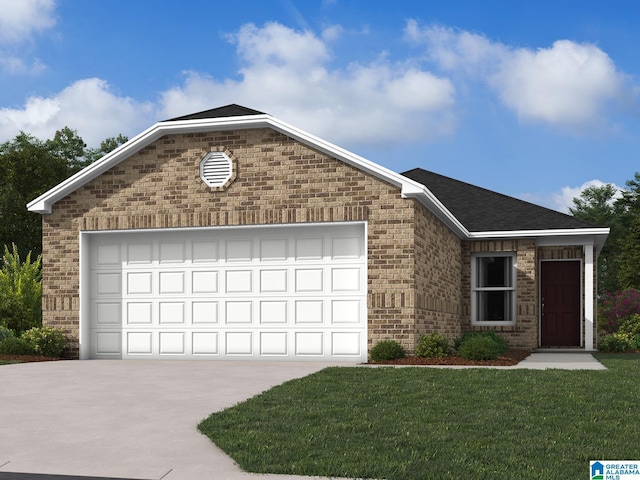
column 289, row 292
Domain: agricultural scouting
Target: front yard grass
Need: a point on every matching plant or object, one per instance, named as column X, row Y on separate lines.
column 424, row 423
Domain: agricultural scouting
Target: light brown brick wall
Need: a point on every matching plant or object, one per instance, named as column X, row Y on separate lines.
column 438, row 253
column 278, row 181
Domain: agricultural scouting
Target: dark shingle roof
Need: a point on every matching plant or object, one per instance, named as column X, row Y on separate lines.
column 481, row 210
column 232, row 110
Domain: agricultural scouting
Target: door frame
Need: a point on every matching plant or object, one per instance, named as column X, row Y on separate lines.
column 580, row 282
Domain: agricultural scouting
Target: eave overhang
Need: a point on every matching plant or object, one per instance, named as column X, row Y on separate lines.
column 408, row 188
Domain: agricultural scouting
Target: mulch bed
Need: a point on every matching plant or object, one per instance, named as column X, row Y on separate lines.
column 27, row 358
column 512, row 357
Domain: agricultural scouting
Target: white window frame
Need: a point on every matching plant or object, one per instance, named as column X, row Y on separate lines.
column 476, row 290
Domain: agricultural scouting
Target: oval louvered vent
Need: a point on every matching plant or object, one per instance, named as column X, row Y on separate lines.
column 215, row 169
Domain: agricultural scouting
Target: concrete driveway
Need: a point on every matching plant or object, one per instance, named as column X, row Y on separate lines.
column 127, row 419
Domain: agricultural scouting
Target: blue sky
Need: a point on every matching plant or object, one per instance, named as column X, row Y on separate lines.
column 531, row 99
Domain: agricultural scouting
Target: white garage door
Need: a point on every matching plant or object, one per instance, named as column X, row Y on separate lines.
column 285, row 292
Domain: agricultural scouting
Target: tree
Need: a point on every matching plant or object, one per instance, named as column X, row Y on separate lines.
column 597, row 205
column 629, row 242
column 28, row 168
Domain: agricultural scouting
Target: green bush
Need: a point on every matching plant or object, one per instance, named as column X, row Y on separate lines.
column 15, row 346
column 386, row 350
column 5, row 333
column 501, row 343
column 480, row 347
column 433, row 345
column 20, row 291
column 631, row 326
column 45, row 341
column 615, row 342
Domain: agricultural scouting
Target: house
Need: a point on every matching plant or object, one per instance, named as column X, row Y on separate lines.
column 231, row 234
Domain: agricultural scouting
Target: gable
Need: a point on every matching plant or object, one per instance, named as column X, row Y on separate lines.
column 447, row 199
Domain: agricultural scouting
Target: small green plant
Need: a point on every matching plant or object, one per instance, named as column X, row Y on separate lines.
column 631, row 326
column 45, row 341
column 20, row 291
column 15, row 346
column 5, row 333
column 479, row 348
column 616, row 342
column 503, row 345
column 433, row 345
column 387, row 350
column 487, row 345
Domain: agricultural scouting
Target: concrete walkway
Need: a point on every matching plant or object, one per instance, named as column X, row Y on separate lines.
column 137, row 419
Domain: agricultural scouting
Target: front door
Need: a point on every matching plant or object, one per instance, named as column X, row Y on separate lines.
column 560, row 304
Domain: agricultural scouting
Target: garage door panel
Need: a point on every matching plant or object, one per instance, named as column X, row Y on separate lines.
column 172, row 343
column 108, row 344
column 172, row 253
column 238, row 250
column 280, row 292
column 309, row 343
column 274, row 343
column 204, row 313
column 346, row 312
column 172, row 313
column 205, row 343
column 108, row 313
column 273, row 281
column 204, row 281
column 238, row 281
column 205, row 252
column 237, row 313
column 239, row 343
column 273, row 312
column 139, row 313
column 139, row 283
column 345, row 343
column 139, row 343
column 108, row 255
column 140, row 253
column 171, row 283
column 273, row 249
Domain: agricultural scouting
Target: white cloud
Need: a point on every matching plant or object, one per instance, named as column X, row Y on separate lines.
column 563, row 200
column 88, row 106
column 286, row 73
column 19, row 19
column 569, row 85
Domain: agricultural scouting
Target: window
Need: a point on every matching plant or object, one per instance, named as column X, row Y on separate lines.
column 493, row 289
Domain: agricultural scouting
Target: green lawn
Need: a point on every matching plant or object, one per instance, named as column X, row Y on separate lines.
column 423, row 423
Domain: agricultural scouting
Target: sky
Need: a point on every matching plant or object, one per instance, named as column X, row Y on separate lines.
column 533, row 99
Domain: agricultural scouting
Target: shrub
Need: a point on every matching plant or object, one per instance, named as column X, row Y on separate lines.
column 20, row 291
column 433, row 346
column 631, row 326
column 5, row 333
column 480, row 347
column 614, row 308
column 615, row 342
column 15, row 346
column 387, row 350
column 45, row 341
column 501, row 343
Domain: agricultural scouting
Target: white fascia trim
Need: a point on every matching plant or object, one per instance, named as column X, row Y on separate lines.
column 409, row 188
column 579, row 236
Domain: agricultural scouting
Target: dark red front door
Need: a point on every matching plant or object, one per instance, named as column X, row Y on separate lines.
column 560, row 306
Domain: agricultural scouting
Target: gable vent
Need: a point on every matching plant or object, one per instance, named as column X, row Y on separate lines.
column 216, row 169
